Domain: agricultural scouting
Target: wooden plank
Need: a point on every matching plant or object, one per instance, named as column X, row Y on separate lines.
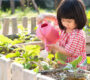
column 5, row 68
column 25, row 22
column 14, row 26
column 17, row 71
column 6, row 26
column 42, row 77
column 33, row 25
column 31, row 43
column 29, row 75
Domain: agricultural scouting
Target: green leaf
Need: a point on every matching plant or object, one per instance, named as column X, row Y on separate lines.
column 68, row 66
column 35, row 28
column 11, row 55
column 33, row 50
column 16, row 41
column 19, row 60
column 27, row 65
column 50, row 56
column 76, row 62
column 88, row 30
column 21, row 27
column 60, row 57
column 88, row 15
column 88, row 59
column 45, row 65
column 36, row 69
column 4, row 39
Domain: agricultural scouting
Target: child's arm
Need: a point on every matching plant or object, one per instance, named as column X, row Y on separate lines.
column 58, row 49
column 75, row 46
column 62, row 50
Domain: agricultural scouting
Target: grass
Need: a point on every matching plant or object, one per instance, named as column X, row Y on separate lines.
column 29, row 12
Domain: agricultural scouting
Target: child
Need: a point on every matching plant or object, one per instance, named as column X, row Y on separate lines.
column 71, row 19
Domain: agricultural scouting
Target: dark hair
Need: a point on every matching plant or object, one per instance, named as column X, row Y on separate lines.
column 72, row 9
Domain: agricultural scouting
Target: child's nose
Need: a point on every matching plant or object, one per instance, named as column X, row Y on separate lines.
column 66, row 24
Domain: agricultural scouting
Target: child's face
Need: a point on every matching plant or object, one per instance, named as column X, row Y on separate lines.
column 68, row 23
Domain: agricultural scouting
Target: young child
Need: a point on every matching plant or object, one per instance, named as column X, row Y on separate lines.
column 71, row 19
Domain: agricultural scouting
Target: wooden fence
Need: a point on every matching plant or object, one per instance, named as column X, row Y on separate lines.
column 29, row 23
column 10, row 24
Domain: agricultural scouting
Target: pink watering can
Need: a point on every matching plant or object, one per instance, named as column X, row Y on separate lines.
column 47, row 33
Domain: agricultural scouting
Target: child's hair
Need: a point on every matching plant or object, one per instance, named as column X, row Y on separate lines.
column 72, row 9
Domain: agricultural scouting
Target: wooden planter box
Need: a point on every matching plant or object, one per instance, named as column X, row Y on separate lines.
column 13, row 71
column 5, row 68
column 19, row 73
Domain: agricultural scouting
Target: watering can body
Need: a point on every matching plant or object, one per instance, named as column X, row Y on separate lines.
column 47, row 33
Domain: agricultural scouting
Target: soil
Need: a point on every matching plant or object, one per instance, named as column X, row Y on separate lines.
column 59, row 74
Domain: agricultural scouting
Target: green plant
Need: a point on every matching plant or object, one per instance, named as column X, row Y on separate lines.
column 5, row 44
column 22, row 35
column 73, row 65
column 71, row 72
column 29, row 56
column 60, row 57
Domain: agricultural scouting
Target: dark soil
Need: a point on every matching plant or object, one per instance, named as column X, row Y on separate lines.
column 58, row 74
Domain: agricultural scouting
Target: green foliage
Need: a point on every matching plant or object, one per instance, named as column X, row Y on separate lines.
column 72, row 66
column 88, row 17
column 22, row 35
column 31, row 50
column 36, row 69
column 88, row 14
column 30, row 56
column 60, row 57
column 50, row 56
column 35, row 28
column 5, row 44
column 19, row 60
column 11, row 55
column 0, row 27
column 88, row 59
column 5, row 40
column 74, row 63
column 45, row 65
column 17, row 41
column 27, row 65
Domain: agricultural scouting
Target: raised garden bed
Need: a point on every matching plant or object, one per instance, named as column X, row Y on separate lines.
column 14, row 71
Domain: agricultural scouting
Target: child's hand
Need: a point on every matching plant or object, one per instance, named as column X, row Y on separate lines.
column 52, row 46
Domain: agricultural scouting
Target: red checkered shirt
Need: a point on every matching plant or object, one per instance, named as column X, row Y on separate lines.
column 74, row 43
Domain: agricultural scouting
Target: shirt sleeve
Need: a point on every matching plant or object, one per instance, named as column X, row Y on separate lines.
column 75, row 44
